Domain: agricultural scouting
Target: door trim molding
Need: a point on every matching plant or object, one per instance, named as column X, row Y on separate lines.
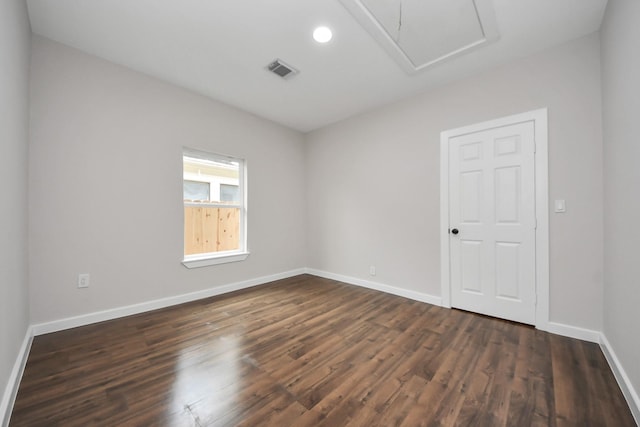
column 539, row 119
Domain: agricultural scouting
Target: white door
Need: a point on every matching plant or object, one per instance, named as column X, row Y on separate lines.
column 492, row 221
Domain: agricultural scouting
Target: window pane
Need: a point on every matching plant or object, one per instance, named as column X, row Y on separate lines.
column 229, row 193
column 196, row 190
column 217, row 172
column 214, row 215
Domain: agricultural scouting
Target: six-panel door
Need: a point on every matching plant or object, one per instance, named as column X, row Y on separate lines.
column 492, row 204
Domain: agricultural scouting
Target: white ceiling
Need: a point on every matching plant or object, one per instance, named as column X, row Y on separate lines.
column 220, row 48
column 419, row 33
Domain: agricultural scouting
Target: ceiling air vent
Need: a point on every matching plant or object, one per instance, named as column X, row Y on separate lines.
column 283, row 70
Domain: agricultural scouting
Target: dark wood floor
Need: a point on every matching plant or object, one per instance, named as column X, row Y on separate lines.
column 307, row 351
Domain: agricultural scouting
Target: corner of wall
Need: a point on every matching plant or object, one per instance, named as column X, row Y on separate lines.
column 629, row 392
column 13, row 384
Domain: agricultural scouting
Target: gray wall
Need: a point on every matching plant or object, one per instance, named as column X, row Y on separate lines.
column 621, row 117
column 106, row 185
column 373, row 180
column 104, row 176
column 15, row 36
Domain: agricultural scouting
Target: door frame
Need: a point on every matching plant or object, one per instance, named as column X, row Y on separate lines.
column 539, row 119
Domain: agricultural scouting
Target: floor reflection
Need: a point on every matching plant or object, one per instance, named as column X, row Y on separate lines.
column 207, row 378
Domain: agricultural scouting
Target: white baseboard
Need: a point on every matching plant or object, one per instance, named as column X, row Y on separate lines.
column 416, row 296
column 101, row 316
column 572, row 332
column 630, row 393
column 11, row 390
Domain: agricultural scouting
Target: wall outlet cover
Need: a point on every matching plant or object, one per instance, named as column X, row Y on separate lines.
column 83, row 280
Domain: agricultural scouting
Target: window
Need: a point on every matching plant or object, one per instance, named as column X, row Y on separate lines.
column 229, row 193
column 196, row 190
column 214, row 194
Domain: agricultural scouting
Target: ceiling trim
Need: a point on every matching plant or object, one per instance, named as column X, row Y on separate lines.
column 485, row 13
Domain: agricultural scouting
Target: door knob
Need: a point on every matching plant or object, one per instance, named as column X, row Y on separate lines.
column 454, row 231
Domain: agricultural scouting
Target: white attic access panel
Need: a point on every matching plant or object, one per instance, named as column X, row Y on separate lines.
column 420, row 33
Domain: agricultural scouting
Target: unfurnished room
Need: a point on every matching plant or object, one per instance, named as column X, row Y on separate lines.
column 319, row 213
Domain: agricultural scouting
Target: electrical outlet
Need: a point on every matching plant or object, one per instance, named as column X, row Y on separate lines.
column 560, row 206
column 83, row 280
column 372, row 270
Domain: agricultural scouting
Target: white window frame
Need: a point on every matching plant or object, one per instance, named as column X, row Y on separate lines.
column 222, row 257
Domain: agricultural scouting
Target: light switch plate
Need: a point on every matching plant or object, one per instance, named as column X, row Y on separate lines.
column 560, row 206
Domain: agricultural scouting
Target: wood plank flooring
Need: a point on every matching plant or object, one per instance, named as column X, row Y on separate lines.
column 307, row 351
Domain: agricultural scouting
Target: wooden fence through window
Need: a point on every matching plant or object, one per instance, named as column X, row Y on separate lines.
column 210, row 229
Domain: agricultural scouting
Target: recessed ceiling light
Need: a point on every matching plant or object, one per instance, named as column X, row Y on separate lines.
column 322, row 34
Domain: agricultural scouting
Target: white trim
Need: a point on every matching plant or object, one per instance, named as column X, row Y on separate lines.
column 539, row 117
column 630, row 393
column 572, row 332
column 445, row 264
column 361, row 13
column 206, row 260
column 11, row 390
column 416, row 296
column 101, row 316
column 211, row 205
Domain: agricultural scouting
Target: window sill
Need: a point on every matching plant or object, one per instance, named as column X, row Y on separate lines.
column 206, row 260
